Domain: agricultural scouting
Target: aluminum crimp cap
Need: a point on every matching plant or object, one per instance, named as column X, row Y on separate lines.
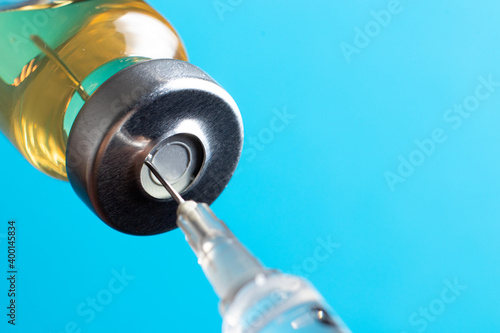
column 169, row 110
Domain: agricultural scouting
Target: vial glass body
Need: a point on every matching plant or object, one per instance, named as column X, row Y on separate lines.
column 53, row 56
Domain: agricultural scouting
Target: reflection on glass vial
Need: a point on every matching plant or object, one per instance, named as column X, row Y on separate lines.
column 55, row 54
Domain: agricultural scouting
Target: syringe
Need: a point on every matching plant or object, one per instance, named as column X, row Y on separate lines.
column 252, row 298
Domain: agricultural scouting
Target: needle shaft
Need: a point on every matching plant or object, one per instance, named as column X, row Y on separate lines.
column 177, row 197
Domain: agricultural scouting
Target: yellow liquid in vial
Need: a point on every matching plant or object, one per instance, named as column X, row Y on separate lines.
column 47, row 51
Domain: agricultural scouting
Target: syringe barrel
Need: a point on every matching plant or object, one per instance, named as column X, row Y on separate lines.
column 253, row 298
column 280, row 303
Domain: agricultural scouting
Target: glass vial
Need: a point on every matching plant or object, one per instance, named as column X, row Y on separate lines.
column 55, row 54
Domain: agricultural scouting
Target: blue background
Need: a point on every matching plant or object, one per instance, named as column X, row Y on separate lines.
column 322, row 176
